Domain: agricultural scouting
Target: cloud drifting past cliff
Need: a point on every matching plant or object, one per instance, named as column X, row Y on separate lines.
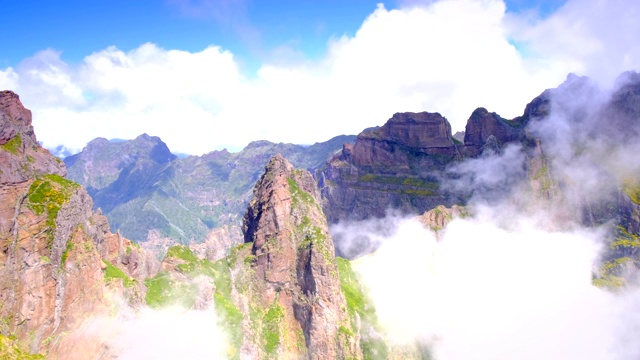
column 446, row 56
column 514, row 279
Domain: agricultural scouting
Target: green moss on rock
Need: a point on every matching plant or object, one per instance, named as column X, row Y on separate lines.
column 14, row 145
column 112, row 272
column 164, row 291
column 632, row 189
column 373, row 347
column 182, row 252
column 9, row 350
column 271, row 327
column 230, row 315
column 47, row 194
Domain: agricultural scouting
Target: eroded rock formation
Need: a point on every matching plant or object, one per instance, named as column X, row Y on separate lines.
column 294, row 265
column 54, row 250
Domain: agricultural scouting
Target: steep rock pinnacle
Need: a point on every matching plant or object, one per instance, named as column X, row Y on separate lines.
column 294, row 259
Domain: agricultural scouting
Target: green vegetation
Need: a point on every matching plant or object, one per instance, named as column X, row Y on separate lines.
column 298, row 194
column 182, row 252
column 9, row 350
column 419, row 192
column 312, row 237
column 542, row 175
column 271, row 324
column 230, row 315
column 632, row 189
column 163, row 291
column 623, row 255
column 113, row 272
column 14, row 145
column 47, row 194
column 65, row 254
column 411, row 185
column 372, row 347
column 624, row 240
column 610, row 282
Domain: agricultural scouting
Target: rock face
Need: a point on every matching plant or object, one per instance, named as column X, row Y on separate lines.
column 439, row 217
column 483, row 125
column 402, row 164
column 53, row 247
column 294, row 263
column 149, row 194
column 396, row 166
column 21, row 157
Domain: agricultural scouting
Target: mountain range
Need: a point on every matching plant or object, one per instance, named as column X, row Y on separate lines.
column 248, row 233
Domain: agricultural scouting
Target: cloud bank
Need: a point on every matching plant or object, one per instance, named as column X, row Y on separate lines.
column 484, row 292
column 446, row 56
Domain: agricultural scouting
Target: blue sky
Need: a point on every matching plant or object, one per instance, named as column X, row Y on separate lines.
column 233, row 71
column 252, row 30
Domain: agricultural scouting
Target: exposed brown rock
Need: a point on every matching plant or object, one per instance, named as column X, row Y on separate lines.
column 439, row 217
column 295, row 264
column 482, row 125
column 53, row 247
column 396, row 166
column 21, row 157
column 218, row 242
column 427, row 133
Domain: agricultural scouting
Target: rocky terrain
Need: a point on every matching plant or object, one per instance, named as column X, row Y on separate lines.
column 403, row 164
column 58, row 258
column 282, row 294
column 272, row 275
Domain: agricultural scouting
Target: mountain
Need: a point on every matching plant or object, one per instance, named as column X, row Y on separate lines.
column 403, row 164
column 148, row 193
column 282, row 294
column 567, row 165
column 58, row 258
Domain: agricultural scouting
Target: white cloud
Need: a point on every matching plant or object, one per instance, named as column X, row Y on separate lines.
column 446, row 56
column 484, row 292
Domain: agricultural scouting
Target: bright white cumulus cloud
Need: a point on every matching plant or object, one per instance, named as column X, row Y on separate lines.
column 445, row 56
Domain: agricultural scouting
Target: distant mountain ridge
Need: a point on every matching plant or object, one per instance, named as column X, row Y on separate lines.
column 146, row 191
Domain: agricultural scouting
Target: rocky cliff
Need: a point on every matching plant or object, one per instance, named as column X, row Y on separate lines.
column 403, row 164
column 57, row 256
column 294, row 264
column 21, row 157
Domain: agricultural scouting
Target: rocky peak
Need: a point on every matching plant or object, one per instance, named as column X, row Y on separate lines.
column 21, row 157
column 419, row 130
column 294, row 259
column 156, row 149
column 484, row 125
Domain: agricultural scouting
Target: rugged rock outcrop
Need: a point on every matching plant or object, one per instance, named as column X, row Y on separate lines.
column 483, row 127
column 402, row 165
column 396, row 166
column 439, row 217
column 55, row 252
column 294, row 265
column 21, row 157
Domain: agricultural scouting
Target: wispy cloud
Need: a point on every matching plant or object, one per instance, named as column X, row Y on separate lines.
column 230, row 15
